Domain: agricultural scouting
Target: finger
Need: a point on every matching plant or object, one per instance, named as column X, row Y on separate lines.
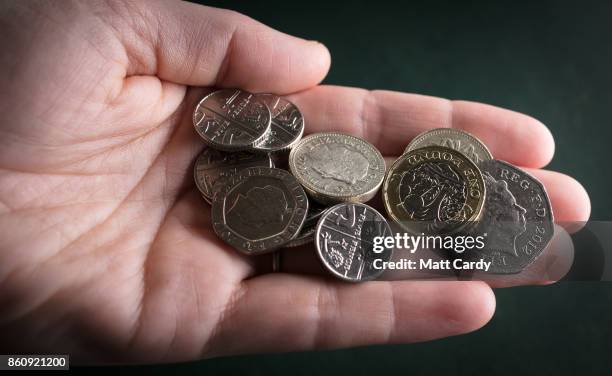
column 390, row 120
column 570, row 204
column 550, row 266
column 283, row 312
column 203, row 46
column 570, row 201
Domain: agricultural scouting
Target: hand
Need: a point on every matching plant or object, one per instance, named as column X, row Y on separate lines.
column 107, row 251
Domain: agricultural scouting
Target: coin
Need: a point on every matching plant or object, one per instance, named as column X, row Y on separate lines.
column 345, row 241
column 308, row 230
column 213, row 165
column 287, row 124
column 335, row 167
column 517, row 218
column 305, row 236
column 455, row 139
column 433, row 190
column 259, row 209
column 231, row 119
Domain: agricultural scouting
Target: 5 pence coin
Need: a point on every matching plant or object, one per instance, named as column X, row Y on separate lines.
column 345, row 238
column 287, row 124
column 231, row 119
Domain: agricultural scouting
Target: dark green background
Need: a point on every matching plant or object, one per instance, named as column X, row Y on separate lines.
column 548, row 59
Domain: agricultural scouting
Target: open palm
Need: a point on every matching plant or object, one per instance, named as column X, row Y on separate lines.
column 106, row 248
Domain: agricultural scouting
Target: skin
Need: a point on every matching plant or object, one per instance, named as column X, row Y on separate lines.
column 106, row 248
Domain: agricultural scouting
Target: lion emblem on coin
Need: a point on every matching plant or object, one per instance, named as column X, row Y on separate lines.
column 434, row 192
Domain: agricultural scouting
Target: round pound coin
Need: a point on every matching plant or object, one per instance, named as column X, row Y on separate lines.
column 214, row 165
column 287, row 124
column 231, row 119
column 335, row 167
column 433, row 190
column 345, row 239
column 517, row 219
column 455, row 139
column 259, row 210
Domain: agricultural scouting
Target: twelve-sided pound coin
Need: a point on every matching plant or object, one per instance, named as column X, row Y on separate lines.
column 335, row 167
column 259, row 209
column 231, row 119
column 345, row 241
column 434, row 190
column 455, row 139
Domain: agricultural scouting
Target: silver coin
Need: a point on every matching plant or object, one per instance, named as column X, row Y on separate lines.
column 305, row 236
column 517, row 218
column 308, row 230
column 455, row 139
column 287, row 124
column 231, row 119
column 345, row 241
column 259, row 210
column 214, row 166
column 335, row 167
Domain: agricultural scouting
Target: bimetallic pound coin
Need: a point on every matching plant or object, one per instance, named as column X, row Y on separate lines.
column 213, row 165
column 345, row 241
column 335, row 167
column 517, row 218
column 231, row 119
column 434, row 190
column 287, row 124
column 259, row 209
column 455, row 139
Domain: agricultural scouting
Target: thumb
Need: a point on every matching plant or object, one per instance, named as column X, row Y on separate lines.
column 203, row 46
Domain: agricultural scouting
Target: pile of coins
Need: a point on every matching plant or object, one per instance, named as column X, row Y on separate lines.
column 445, row 182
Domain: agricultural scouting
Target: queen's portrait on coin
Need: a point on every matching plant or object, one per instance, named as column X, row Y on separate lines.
column 340, row 163
column 503, row 215
column 260, row 208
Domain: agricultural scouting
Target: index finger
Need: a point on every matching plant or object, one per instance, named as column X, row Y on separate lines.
column 390, row 120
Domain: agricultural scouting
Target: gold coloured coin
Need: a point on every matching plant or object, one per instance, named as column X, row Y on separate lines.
column 433, row 190
column 455, row 139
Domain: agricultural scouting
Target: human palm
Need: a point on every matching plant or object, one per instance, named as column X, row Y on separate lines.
column 107, row 251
